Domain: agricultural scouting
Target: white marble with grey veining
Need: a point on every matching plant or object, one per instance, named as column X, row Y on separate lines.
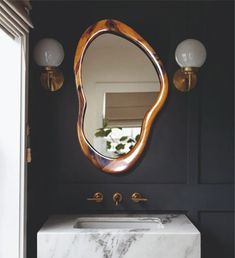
column 165, row 236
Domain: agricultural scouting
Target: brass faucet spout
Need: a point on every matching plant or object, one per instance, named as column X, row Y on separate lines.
column 117, row 198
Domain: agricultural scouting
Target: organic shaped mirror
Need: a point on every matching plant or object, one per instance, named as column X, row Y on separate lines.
column 121, row 87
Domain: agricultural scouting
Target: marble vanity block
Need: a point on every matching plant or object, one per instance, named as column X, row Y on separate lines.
column 149, row 236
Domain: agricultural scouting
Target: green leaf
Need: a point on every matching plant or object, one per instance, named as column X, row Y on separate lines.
column 130, row 140
column 120, row 146
column 108, row 145
column 137, row 137
column 103, row 132
column 123, row 138
column 131, row 147
column 107, row 132
column 100, row 133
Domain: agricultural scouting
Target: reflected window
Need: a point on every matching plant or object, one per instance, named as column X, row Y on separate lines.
column 115, row 142
column 127, row 109
column 120, row 140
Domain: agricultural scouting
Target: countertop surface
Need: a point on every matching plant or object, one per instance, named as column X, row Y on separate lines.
column 166, row 224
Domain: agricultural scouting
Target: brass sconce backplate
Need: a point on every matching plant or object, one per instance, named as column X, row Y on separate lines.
column 185, row 79
column 52, row 79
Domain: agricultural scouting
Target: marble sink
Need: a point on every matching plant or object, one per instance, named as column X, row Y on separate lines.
column 118, row 236
column 106, row 222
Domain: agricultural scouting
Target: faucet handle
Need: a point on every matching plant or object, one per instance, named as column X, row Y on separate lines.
column 97, row 197
column 137, row 197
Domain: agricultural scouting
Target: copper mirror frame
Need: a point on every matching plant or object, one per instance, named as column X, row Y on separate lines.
column 125, row 162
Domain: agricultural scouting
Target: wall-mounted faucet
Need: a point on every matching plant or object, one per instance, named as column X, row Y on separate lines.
column 117, row 198
column 97, row 197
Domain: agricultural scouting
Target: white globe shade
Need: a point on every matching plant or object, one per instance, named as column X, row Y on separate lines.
column 190, row 53
column 48, row 52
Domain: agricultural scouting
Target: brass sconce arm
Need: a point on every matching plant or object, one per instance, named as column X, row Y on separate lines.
column 51, row 78
column 185, row 78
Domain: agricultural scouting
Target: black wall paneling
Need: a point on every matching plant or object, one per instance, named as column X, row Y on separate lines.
column 188, row 164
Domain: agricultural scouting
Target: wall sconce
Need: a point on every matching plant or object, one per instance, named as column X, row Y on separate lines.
column 190, row 55
column 49, row 54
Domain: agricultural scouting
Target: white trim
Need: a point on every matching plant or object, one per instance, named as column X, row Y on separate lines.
column 23, row 165
column 15, row 28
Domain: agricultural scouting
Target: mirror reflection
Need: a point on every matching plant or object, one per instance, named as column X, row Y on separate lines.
column 120, row 85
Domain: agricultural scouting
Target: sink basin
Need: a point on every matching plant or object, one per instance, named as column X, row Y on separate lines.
column 119, row 236
column 119, row 223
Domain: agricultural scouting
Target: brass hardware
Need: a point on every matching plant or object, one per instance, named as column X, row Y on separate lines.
column 137, row 197
column 97, row 197
column 52, row 78
column 185, row 78
column 28, row 149
column 117, row 198
column 28, row 155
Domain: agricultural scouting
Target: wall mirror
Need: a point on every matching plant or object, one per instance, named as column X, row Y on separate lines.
column 121, row 86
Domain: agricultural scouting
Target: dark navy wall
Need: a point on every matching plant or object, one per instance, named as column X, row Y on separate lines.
column 188, row 164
